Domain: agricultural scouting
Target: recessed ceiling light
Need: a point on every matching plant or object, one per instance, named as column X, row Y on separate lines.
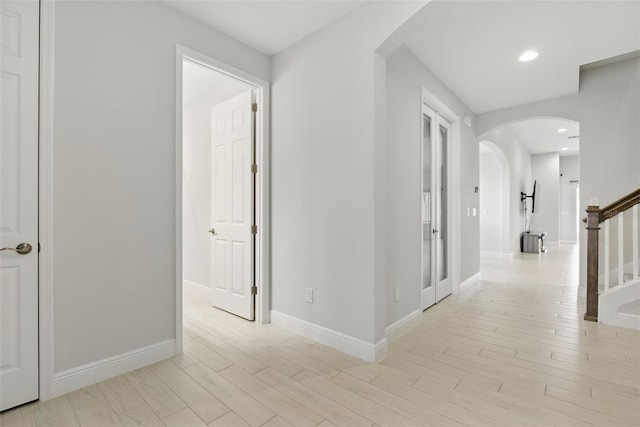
column 562, row 130
column 564, row 149
column 528, row 56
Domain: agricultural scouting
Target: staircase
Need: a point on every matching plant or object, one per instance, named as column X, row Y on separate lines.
column 613, row 298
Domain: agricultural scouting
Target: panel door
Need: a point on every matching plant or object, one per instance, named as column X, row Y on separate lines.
column 19, row 202
column 232, row 261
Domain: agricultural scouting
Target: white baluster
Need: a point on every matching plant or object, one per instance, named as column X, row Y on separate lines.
column 635, row 241
column 606, row 256
column 620, row 249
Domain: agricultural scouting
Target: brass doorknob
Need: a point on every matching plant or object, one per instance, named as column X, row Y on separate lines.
column 22, row 249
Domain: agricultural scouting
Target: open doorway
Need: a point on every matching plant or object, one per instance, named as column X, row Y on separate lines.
column 494, row 201
column 221, row 186
column 515, row 158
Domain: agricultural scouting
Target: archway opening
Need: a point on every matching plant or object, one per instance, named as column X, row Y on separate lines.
column 494, row 199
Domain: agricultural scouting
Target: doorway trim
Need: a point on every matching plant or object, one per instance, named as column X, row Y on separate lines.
column 45, row 201
column 262, row 186
column 433, row 102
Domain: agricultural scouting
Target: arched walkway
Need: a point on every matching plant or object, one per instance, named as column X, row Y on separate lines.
column 494, row 199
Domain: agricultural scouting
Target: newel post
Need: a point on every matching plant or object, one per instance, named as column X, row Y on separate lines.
column 593, row 229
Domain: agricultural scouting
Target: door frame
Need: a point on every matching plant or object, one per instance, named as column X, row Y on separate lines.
column 45, row 201
column 434, row 103
column 263, row 314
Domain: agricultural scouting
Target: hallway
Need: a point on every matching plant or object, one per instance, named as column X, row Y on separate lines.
column 512, row 349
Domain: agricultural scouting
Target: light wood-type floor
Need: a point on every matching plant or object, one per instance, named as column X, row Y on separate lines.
column 510, row 350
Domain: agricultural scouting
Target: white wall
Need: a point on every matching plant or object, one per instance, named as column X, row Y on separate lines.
column 608, row 109
column 323, row 174
column 491, row 203
column 406, row 76
column 114, row 183
column 545, row 169
column 569, row 171
column 519, row 161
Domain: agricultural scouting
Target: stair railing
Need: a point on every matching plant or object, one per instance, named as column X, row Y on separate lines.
column 595, row 217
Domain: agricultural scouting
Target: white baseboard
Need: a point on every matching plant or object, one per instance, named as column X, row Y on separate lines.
column 345, row 343
column 398, row 328
column 91, row 373
column 471, row 280
column 611, row 306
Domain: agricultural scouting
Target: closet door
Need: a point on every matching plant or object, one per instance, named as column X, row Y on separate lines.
column 436, row 207
column 19, row 203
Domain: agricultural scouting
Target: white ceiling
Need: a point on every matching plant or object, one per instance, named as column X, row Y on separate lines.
column 473, row 46
column 199, row 81
column 267, row 26
column 542, row 136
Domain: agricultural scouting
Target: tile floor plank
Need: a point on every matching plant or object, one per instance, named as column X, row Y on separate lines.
column 141, row 415
column 230, row 419
column 98, row 414
column 205, row 405
column 185, row 417
column 55, row 412
column 158, row 396
column 285, row 407
column 329, row 409
column 120, row 394
column 358, row 403
column 249, row 409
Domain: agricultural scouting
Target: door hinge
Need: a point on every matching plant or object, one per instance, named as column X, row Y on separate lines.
column 254, row 168
column 39, row 248
column 254, row 229
column 254, row 107
column 254, row 290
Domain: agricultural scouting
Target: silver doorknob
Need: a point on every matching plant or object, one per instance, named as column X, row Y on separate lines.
column 213, row 231
column 434, row 231
column 22, row 249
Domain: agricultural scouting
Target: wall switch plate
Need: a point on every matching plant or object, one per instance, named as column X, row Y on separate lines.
column 396, row 294
column 309, row 295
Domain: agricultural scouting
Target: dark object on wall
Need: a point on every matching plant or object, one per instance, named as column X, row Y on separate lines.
column 524, row 197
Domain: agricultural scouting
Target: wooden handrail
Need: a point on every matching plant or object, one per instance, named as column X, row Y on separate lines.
column 595, row 216
column 620, row 205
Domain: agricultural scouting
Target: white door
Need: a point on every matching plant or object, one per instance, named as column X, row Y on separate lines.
column 232, row 206
column 436, row 207
column 19, row 203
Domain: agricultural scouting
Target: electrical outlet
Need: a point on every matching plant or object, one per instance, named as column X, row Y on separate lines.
column 309, row 295
column 396, row 294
